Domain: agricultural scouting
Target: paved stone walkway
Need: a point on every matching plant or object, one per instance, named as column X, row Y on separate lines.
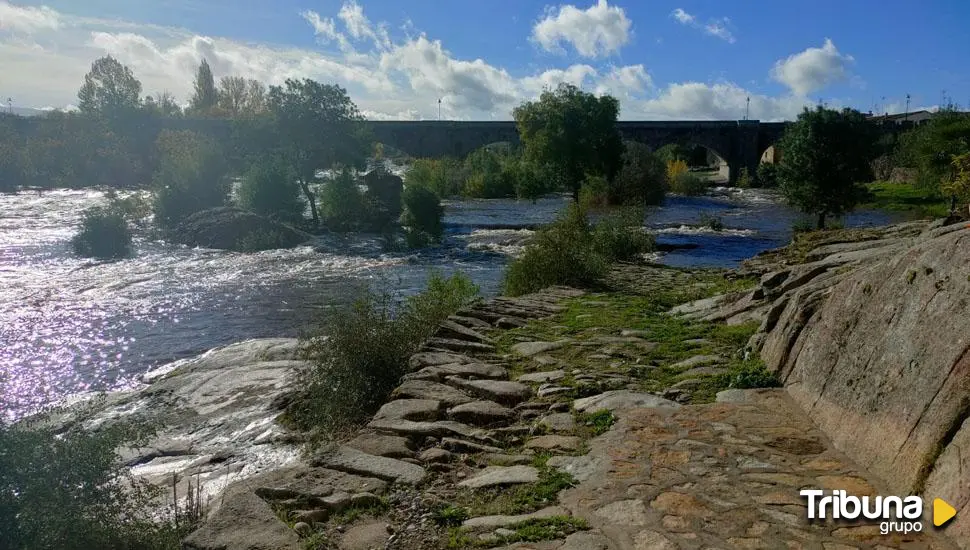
column 725, row 475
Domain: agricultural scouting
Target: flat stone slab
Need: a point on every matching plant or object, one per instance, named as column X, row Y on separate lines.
column 481, row 413
column 704, row 371
column 493, row 476
column 554, row 443
column 461, row 370
column 546, row 376
column 440, row 428
column 451, row 329
column 426, row 389
column 351, row 460
column 580, row 467
column 528, row 349
column 461, row 346
column 622, row 399
column 429, row 358
column 410, row 409
column 500, row 391
column 559, row 422
column 392, row 446
column 494, row 522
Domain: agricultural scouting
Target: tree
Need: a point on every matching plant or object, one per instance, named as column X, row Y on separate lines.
column 642, row 178
column 191, row 176
column 109, row 88
column 255, row 100
column 319, row 127
column 574, row 131
column 205, row 98
column 931, row 147
column 827, row 153
column 269, row 188
column 232, row 95
column 163, row 104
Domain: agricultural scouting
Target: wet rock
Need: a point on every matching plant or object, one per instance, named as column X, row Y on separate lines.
column 621, row 399
column 501, row 391
column 353, row 461
column 493, row 522
column 481, row 413
column 528, row 349
column 426, row 389
column 546, row 376
column 383, row 445
column 493, row 476
column 227, row 228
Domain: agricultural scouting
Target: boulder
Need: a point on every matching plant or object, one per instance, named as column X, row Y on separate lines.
column 481, row 413
column 228, row 228
column 392, row 446
column 243, row 521
column 426, row 389
column 501, row 391
column 346, row 459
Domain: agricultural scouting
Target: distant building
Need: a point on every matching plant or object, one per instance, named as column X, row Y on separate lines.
column 916, row 117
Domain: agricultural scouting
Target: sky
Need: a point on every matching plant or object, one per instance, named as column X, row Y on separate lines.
column 677, row 60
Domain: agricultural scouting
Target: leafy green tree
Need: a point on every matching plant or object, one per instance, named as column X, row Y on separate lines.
column 104, row 235
column 163, row 104
column 232, row 95
column 205, row 97
column 827, row 154
column 342, row 203
column 931, row 147
column 319, row 126
column 109, row 88
column 573, row 131
column 642, row 178
column 422, row 215
column 269, row 188
column 191, row 176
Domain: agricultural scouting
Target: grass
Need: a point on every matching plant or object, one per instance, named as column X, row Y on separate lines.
column 519, row 499
column 587, row 320
column 597, row 422
column 908, row 198
column 533, row 530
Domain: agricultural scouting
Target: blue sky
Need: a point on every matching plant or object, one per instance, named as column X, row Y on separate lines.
column 664, row 60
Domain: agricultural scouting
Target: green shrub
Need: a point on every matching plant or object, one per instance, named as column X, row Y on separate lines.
column 442, row 176
column 422, row 216
column 104, row 235
column 621, row 236
column 768, row 175
column 595, row 193
column 571, row 252
column 484, row 169
column 712, row 222
column 642, row 177
column 366, row 350
column 270, row 188
column 685, row 183
column 342, row 206
column 745, row 181
column 191, row 176
column 525, row 179
column 72, row 491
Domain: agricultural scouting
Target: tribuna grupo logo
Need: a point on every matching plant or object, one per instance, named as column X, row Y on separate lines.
column 895, row 514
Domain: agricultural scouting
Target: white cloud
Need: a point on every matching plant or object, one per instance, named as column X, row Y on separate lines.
column 717, row 27
column 27, row 19
column 388, row 78
column 597, row 31
column 682, row 16
column 813, row 69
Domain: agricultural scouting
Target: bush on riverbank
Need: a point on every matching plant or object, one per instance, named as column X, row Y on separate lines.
column 422, row 217
column 191, row 176
column 270, row 188
column 71, row 491
column 571, row 252
column 685, row 183
column 366, row 352
column 104, row 235
column 342, row 206
column 642, row 177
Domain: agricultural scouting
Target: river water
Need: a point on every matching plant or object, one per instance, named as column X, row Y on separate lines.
column 69, row 325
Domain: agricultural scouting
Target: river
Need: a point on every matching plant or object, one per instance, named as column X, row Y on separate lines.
column 70, row 325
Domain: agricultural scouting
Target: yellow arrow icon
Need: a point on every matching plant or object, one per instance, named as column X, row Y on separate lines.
column 942, row 512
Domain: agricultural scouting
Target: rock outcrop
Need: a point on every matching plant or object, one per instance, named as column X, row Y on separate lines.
column 230, row 228
column 869, row 338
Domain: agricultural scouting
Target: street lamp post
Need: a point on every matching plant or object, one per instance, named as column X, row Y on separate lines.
column 439, row 108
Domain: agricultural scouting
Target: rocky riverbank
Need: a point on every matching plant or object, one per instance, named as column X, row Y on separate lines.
column 615, row 418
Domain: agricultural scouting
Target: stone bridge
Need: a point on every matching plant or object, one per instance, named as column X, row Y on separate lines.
column 739, row 143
